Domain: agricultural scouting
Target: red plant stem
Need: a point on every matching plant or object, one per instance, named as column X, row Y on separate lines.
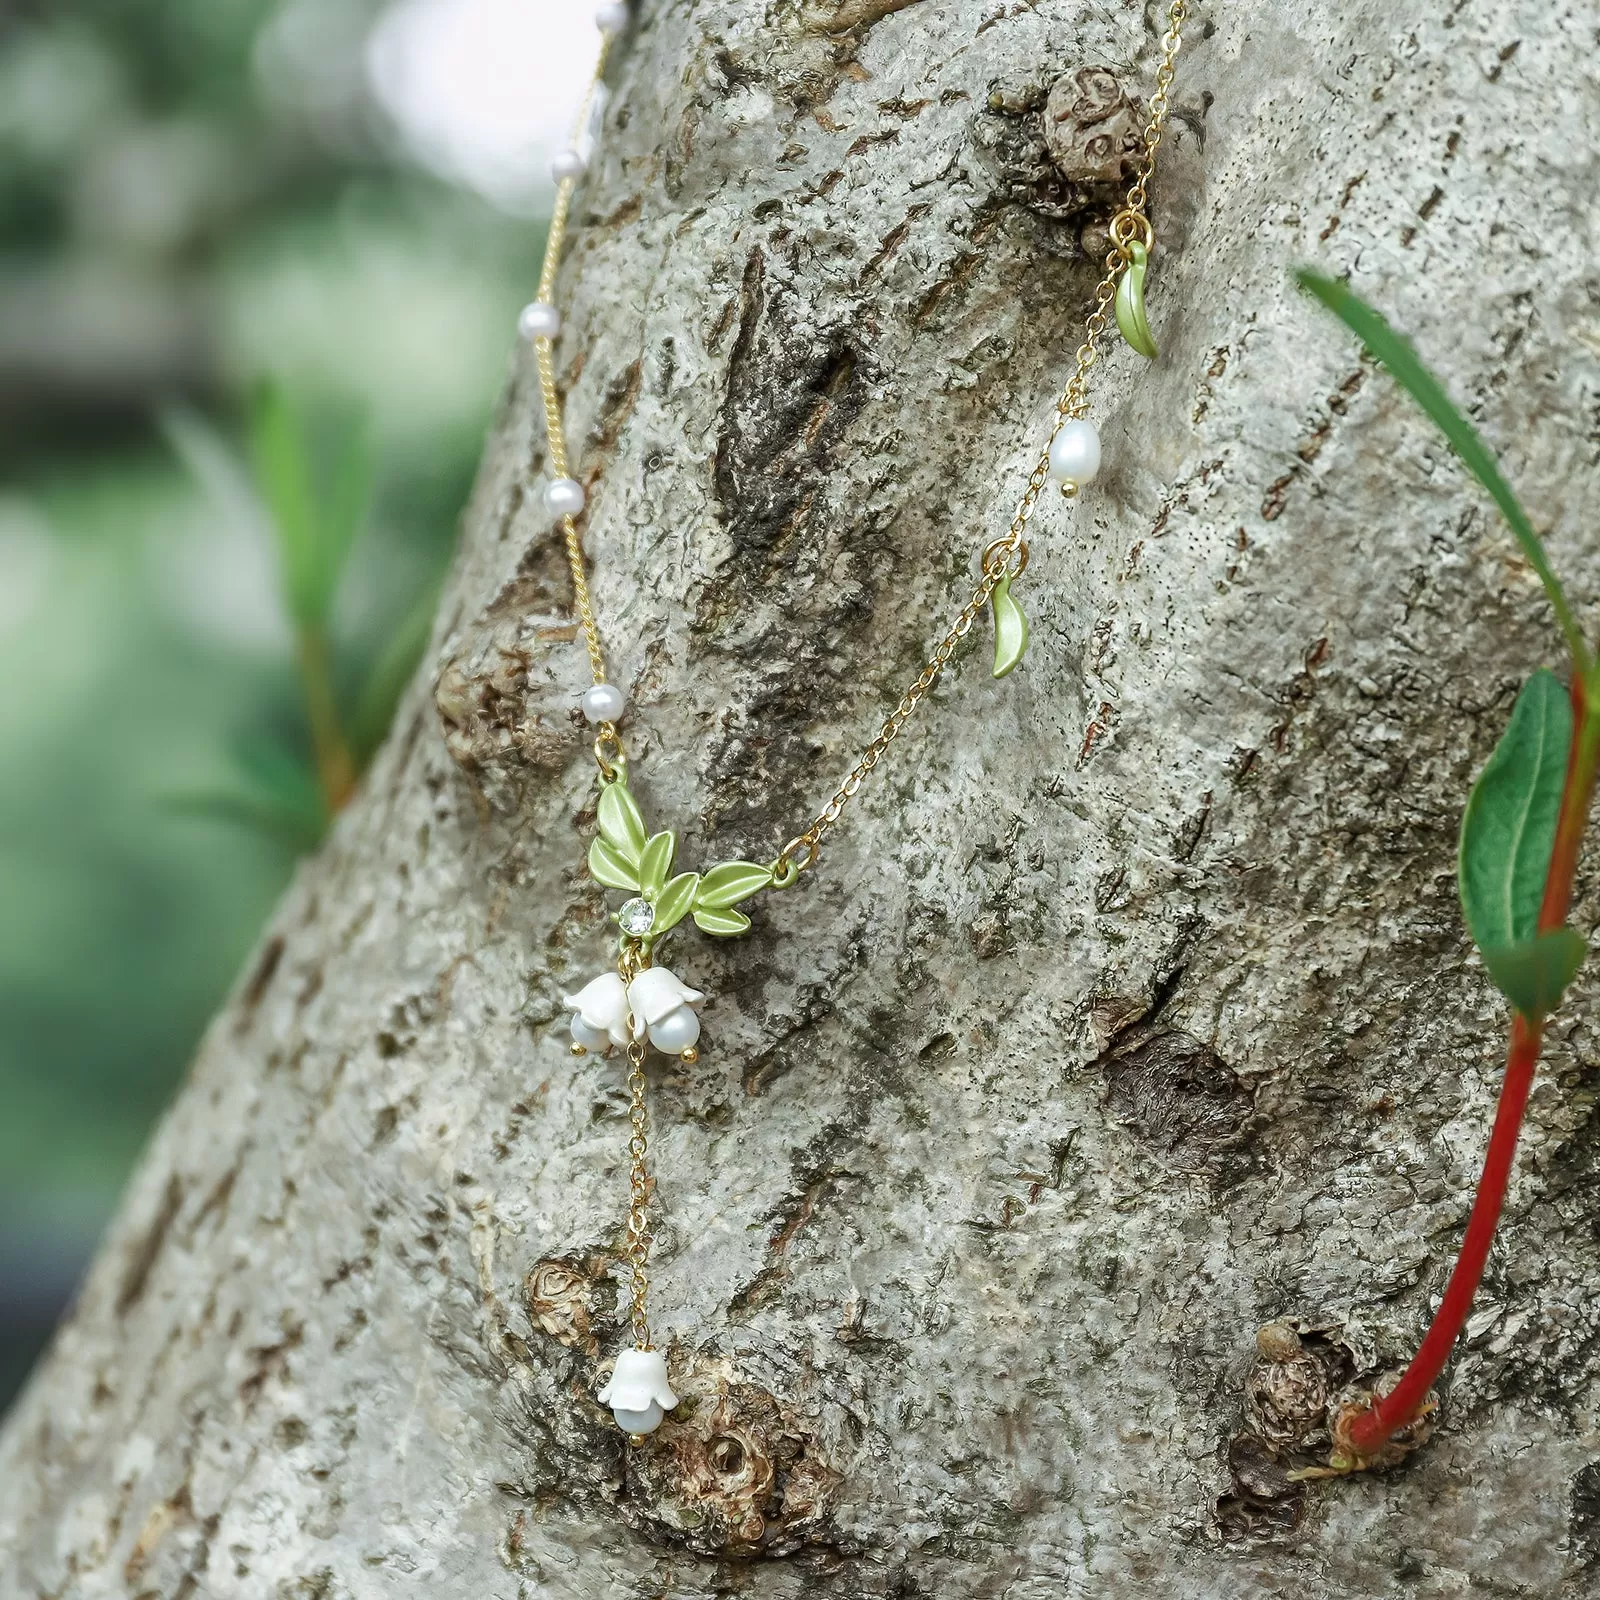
column 1373, row 1428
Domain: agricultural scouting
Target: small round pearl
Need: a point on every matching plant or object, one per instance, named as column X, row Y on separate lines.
column 611, row 19
column 1075, row 452
column 603, row 703
column 568, row 163
column 539, row 321
column 564, row 497
column 676, row 1031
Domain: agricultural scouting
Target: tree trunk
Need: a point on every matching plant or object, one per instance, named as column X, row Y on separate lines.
column 1129, row 1010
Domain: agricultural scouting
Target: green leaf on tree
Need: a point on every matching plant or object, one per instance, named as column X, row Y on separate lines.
column 1407, row 369
column 1507, row 835
column 1534, row 975
column 621, row 823
column 724, row 924
column 1509, row 828
column 730, row 883
column 674, row 902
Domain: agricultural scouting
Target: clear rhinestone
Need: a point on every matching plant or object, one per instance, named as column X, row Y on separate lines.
column 637, row 918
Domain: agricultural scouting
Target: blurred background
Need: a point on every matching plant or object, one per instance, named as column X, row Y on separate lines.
column 259, row 271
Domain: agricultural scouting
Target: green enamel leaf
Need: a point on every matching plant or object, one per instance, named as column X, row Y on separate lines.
column 730, row 883
column 1509, row 828
column 607, row 866
column 1131, row 318
column 656, row 861
column 1534, row 975
column 1010, row 628
column 621, row 823
column 674, row 901
column 722, row 923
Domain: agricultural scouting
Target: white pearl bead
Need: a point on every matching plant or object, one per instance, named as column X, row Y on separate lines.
column 564, row 497
column 676, row 1031
column 589, row 1038
column 646, row 1421
column 603, row 703
column 1075, row 452
column 611, row 19
column 568, row 163
column 539, row 321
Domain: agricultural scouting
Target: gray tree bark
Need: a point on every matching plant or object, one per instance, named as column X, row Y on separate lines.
column 1130, row 1012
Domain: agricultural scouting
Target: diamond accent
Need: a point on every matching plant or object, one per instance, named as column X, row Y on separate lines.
column 636, row 918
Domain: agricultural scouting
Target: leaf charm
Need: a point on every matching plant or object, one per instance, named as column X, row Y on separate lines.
column 1130, row 301
column 1010, row 628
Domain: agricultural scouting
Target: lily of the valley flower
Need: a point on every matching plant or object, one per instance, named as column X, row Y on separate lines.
column 665, row 1008
column 599, row 1013
column 662, row 1006
column 638, row 1392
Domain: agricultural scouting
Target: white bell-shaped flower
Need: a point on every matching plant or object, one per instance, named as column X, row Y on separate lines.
column 599, row 1013
column 664, row 1008
column 638, row 1392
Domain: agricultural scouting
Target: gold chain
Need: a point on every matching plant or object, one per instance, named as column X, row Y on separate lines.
column 555, row 433
column 630, row 962
column 801, row 851
column 1008, row 554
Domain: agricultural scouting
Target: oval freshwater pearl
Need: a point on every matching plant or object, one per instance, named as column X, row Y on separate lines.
column 638, row 1422
column 676, row 1031
column 611, row 18
column 1075, row 452
column 603, row 703
column 564, row 497
column 539, row 321
column 568, row 163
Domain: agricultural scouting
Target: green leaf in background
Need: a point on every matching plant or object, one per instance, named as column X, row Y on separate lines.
column 607, row 865
column 674, row 902
column 1509, row 827
column 730, row 883
column 273, row 793
column 621, row 822
column 656, row 862
column 724, row 924
column 1534, row 974
column 315, row 524
column 1405, row 366
column 388, row 676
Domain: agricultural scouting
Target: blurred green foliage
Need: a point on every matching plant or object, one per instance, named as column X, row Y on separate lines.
column 197, row 196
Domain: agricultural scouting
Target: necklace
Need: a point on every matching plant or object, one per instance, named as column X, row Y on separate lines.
column 642, row 1005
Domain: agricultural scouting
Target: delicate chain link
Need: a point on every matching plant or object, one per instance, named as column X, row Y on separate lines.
column 630, row 963
column 801, row 852
column 555, row 433
column 638, row 1199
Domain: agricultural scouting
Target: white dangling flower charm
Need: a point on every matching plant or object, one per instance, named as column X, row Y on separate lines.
column 664, row 1008
column 599, row 1014
column 638, row 1392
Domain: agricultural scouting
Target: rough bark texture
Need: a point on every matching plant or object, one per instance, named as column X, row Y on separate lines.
column 1130, row 1012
